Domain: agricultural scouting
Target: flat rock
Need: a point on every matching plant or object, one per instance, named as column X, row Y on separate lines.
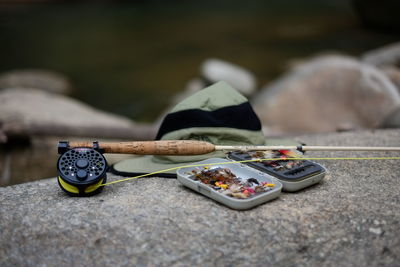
column 36, row 112
column 349, row 219
column 34, row 78
column 326, row 94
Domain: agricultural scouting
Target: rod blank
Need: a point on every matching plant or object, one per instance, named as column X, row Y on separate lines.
column 308, row 148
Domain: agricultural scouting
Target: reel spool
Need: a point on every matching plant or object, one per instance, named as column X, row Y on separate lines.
column 81, row 170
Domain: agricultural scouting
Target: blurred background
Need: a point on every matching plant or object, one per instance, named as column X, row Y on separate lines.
column 110, row 69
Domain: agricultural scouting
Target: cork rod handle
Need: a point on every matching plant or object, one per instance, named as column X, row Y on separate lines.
column 179, row 147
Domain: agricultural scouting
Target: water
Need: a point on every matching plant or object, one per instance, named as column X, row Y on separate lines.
column 131, row 58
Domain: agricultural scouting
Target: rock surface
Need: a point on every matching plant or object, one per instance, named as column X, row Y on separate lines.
column 39, row 79
column 393, row 120
column 215, row 70
column 394, row 75
column 388, row 55
column 350, row 219
column 35, row 112
column 327, row 94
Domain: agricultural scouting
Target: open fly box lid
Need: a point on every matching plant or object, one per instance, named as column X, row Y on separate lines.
column 293, row 174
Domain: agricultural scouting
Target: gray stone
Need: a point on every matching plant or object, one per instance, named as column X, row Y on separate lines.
column 388, row 55
column 392, row 120
column 33, row 78
column 326, row 94
column 215, row 70
column 158, row 222
column 394, row 75
column 374, row 230
column 36, row 112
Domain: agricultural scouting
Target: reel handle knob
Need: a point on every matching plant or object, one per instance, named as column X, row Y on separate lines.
column 82, row 163
column 81, row 175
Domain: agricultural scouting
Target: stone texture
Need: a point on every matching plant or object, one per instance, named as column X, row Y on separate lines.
column 392, row 120
column 350, row 219
column 34, row 78
column 36, row 112
column 388, row 55
column 394, row 75
column 326, row 94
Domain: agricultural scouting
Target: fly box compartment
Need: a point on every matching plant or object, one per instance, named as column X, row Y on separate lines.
column 233, row 184
column 293, row 174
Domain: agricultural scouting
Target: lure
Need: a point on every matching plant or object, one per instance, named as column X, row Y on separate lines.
column 289, row 153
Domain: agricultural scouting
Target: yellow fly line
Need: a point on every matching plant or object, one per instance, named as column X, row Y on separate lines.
column 244, row 161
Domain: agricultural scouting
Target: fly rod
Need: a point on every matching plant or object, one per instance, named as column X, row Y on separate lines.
column 190, row 147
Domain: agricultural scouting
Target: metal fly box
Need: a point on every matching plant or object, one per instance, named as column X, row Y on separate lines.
column 293, row 174
column 233, row 184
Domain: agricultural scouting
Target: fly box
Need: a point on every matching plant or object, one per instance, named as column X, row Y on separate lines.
column 293, row 174
column 233, row 184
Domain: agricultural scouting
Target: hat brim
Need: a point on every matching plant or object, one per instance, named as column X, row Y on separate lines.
column 140, row 165
column 145, row 165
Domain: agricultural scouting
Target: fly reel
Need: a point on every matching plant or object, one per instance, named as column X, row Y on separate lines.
column 81, row 170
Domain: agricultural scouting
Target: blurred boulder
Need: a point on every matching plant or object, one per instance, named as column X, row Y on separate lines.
column 388, row 55
column 326, row 94
column 215, row 70
column 39, row 79
column 394, row 75
column 387, row 59
column 29, row 112
column 392, row 120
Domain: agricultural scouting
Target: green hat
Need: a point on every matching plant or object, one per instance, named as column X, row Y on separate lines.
column 217, row 114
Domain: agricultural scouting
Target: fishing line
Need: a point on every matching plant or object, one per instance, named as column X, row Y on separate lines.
column 244, row 161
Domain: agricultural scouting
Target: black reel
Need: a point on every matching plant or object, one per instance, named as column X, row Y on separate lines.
column 81, row 170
